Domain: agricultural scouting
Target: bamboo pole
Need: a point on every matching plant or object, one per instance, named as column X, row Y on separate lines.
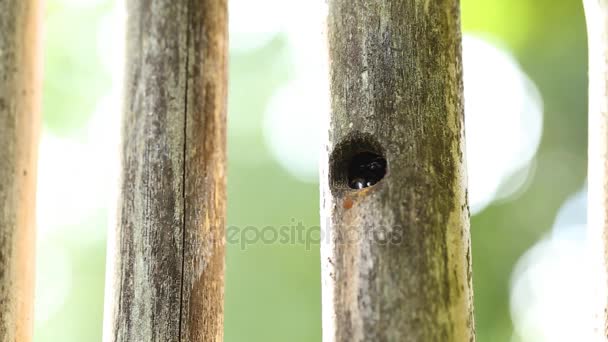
column 396, row 262
column 20, row 97
column 596, row 13
column 166, row 258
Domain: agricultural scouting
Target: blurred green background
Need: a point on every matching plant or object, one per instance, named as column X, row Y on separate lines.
column 525, row 80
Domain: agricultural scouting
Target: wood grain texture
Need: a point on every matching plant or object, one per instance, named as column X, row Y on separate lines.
column 166, row 257
column 20, row 96
column 596, row 12
column 396, row 262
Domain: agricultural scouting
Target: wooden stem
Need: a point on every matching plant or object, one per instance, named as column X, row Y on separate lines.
column 596, row 12
column 396, row 258
column 167, row 256
column 20, row 97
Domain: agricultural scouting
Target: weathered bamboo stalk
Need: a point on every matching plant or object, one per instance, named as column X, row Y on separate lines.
column 396, row 259
column 596, row 12
column 167, row 256
column 20, row 97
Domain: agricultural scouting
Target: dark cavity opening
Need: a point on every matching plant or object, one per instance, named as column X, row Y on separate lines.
column 365, row 169
column 357, row 161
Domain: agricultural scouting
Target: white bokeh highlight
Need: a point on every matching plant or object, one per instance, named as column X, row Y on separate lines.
column 78, row 176
column 503, row 120
column 551, row 297
column 255, row 23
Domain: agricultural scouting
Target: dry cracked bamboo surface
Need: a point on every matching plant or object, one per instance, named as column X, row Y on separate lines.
column 166, row 257
column 396, row 263
column 20, row 97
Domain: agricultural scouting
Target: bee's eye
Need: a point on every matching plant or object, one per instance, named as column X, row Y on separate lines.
column 375, row 165
column 366, row 169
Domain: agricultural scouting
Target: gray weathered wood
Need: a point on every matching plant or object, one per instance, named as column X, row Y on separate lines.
column 20, row 94
column 596, row 12
column 166, row 259
column 396, row 90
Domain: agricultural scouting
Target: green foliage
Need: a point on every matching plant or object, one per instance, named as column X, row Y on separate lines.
column 74, row 78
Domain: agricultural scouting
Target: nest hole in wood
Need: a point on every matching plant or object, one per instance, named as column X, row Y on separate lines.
column 356, row 163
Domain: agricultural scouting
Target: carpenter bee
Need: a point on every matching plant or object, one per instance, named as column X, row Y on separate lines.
column 365, row 170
